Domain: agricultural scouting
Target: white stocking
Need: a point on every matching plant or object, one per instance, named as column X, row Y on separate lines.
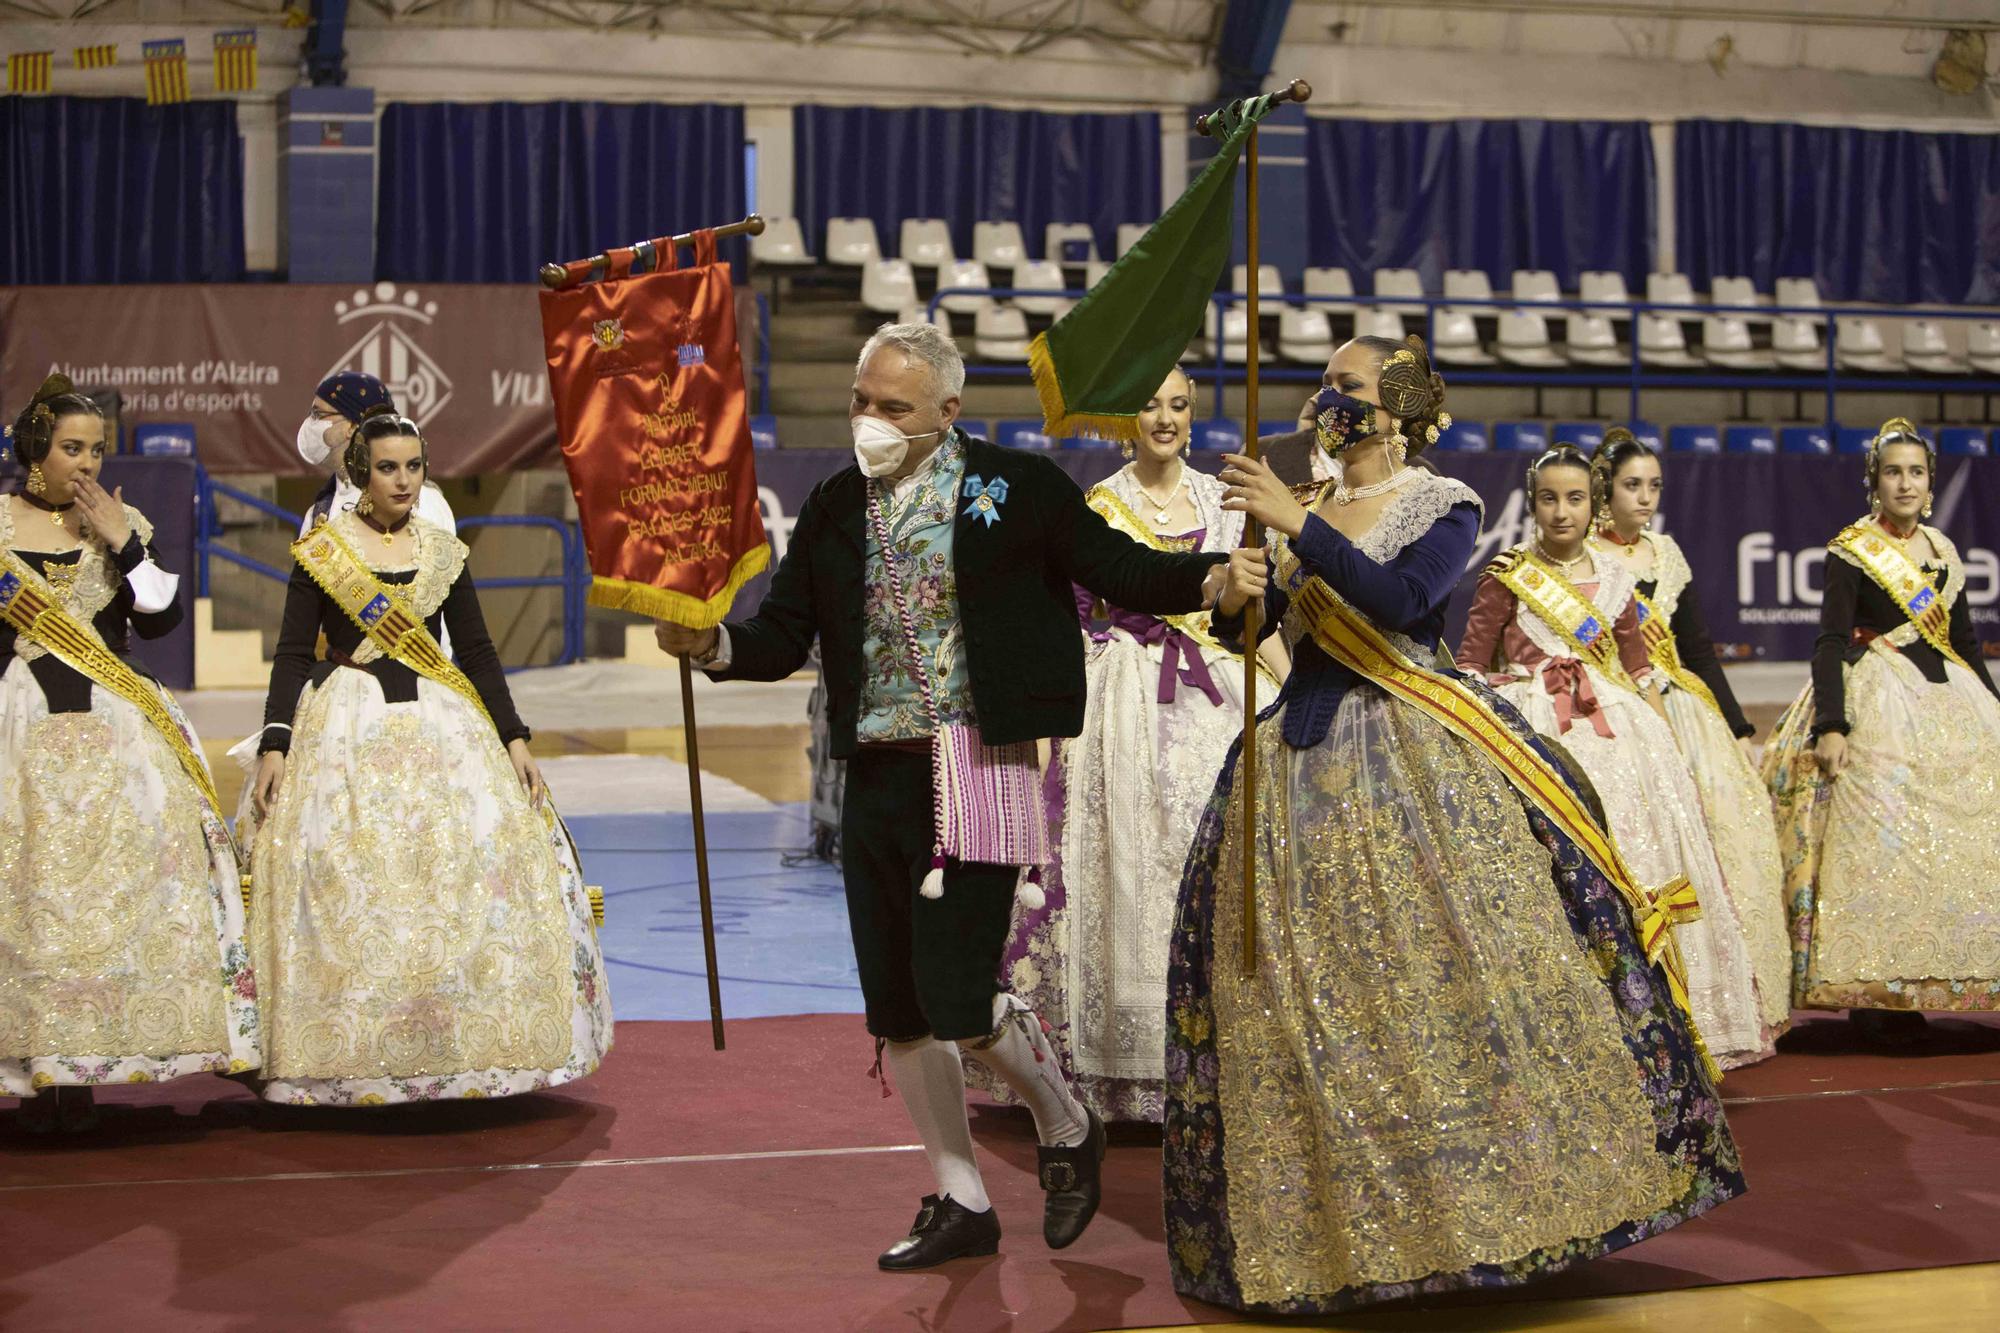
column 1019, row 1052
column 928, row 1074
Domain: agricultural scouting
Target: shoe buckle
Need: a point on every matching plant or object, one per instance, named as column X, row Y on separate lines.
column 1058, row 1176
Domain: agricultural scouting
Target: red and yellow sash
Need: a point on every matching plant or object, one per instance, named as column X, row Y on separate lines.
column 1568, row 612
column 1119, row 515
column 1903, row 579
column 1665, row 654
column 1346, row 636
column 29, row 605
column 371, row 604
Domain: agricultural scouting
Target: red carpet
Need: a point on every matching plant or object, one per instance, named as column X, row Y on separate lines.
column 194, row 1207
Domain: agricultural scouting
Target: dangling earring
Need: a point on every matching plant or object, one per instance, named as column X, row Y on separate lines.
column 1927, row 506
column 1874, row 506
column 365, row 505
column 37, row 483
column 1128, row 448
column 1399, row 444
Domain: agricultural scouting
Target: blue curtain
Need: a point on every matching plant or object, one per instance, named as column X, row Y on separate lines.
column 490, row 191
column 1870, row 215
column 1497, row 195
column 974, row 164
column 108, row 189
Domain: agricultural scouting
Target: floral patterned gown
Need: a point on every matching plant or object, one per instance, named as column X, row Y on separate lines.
column 1450, row 1065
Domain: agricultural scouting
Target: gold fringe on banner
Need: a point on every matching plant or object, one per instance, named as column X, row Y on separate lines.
column 665, row 604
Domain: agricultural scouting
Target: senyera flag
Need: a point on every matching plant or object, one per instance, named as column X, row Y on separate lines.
column 655, row 429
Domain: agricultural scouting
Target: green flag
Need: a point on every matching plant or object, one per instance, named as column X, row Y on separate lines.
column 1100, row 363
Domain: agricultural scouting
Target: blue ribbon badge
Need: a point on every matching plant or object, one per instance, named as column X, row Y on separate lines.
column 986, row 498
column 1588, row 631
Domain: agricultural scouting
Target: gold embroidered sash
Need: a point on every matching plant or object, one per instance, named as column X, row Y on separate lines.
column 398, row 631
column 1903, row 579
column 1348, row 637
column 29, row 605
column 1106, row 504
column 1665, row 654
column 1563, row 609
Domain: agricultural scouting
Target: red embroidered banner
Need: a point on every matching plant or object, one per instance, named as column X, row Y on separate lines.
column 653, row 420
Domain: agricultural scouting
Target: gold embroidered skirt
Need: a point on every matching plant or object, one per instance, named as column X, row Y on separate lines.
column 420, row 930
column 1423, row 1074
column 1893, row 866
column 122, row 957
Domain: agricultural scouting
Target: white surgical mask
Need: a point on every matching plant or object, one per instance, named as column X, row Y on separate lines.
column 314, row 447
column 879, row 448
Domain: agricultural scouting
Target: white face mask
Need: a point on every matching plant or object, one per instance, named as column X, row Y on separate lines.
column 879, row 448
column 314, row 447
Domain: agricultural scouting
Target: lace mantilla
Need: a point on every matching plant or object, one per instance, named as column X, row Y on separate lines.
column 1615, row 585
column 1671, row 573
column 1222, row 528
column 97, row 578
column 435, row 555
column 1906, row 633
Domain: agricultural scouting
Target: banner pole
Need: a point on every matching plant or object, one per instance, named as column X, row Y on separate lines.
column 701, row 852
column 1253, row 537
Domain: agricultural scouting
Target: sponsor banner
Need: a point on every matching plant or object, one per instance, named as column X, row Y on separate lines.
column 1754, row 528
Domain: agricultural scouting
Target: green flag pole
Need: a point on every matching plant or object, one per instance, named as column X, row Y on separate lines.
column 1253, row 534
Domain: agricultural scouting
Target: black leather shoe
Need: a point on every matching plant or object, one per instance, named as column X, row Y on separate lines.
column 1070, row 1176
column 945, row 1229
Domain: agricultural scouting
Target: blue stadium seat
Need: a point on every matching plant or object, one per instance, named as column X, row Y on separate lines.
column 1467, row 437
column 1218, row 435
column 978, row 430
column 1086, row 440
column 1804, row 440
column 1750, row 440
column 1694, row 440
column 1520, row 436
column 164, row 439
column 1853, row 439
column 1964, row 442
column 1649, row 434
column 763, row 432
column 1585, row 435
column 1266, row 429
column 1022, row 434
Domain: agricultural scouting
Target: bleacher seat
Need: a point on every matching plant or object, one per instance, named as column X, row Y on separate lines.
column 926, row 243
column 1982, row 346
column 1217, row 435
column 164, row 439
column 1536, row 284
column 965, row 273
column 1726, row 342
column 1585, row 435
column 763, row 432
column 1795, row 343
column 1000, row 333
column 1469, row 284
column 1964, row 442
column 1593, row 341
column 1749, row 440
column 1853, row 439
column 782, row 244
column 1803, row 292
column 1455, row 340
column 1524, row 437
column 1061, row 240
column 1305, row 336
column 1373, row 322
column 1804, row 440
column 1235, row 335
column 1669, row 289
column 851, row 243
column 1021, row 434
column 1267, row 428
column 1648, row 433
column 1694, row 440
column 918, row 312
column 1925, row 348
column 977, row 427
column 1041, row 276
column 1465, row 437
column 888, row 285
column 1129, row 234
column 1094, row 272
column 1328, row 282
column 1738, row 292
column 1861, row 346
column 1603, row 285
column 1271, row 295
column 999, row 245
column 1524, row 339
column 1391, row 283
column 1661, row 343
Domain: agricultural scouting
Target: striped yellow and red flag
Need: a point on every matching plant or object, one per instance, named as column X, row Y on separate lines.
column 166, row 71
column 102, row 56
column 236, row 61
column 28, row 72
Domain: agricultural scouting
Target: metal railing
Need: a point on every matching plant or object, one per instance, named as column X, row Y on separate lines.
column 573, row 581
column 1635, row 378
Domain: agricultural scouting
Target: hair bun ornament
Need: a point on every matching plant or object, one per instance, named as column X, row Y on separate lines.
column 1617, row 435
column 55, row 386
column 1405, row 387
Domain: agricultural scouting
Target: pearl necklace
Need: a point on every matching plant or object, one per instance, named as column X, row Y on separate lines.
column 1563, row 565
column 1161, row 508
column 1344, row 494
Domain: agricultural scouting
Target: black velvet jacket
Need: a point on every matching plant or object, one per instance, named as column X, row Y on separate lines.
column 1697, row 653
column 1016, row 602
column 309, row 611
column 1855, row 601
column 68, row 691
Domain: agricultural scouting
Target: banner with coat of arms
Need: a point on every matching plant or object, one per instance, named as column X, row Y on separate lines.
column 654, row 425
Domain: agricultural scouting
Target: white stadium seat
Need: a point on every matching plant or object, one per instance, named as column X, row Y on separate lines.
column 926, row 243
column 1236, row 333
column 1000, row 333
column 1042, row 276
column 1374, row 322
column 999, row 245
column 782, row 244
column 888, row 285
column 1395, row 282
column 1455, row 340
column 1524, row 339
column 1726, row 342
column 1926, row 348
column 1598, row 285
column 1305, row 335
column 1594, row 342
column 1861, row 346
column 1795, row 343
column 851, row 242
column 1328, row 282
column 1059, row 232
column 1982, row 346
column 1270, row 285
column 964, row 273
column 1129, row 234
column 1536, row 284
column 1738, row 291
column 1661, row 343
column 1468, row 284
column 1094, row 272
column 1799, row 292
